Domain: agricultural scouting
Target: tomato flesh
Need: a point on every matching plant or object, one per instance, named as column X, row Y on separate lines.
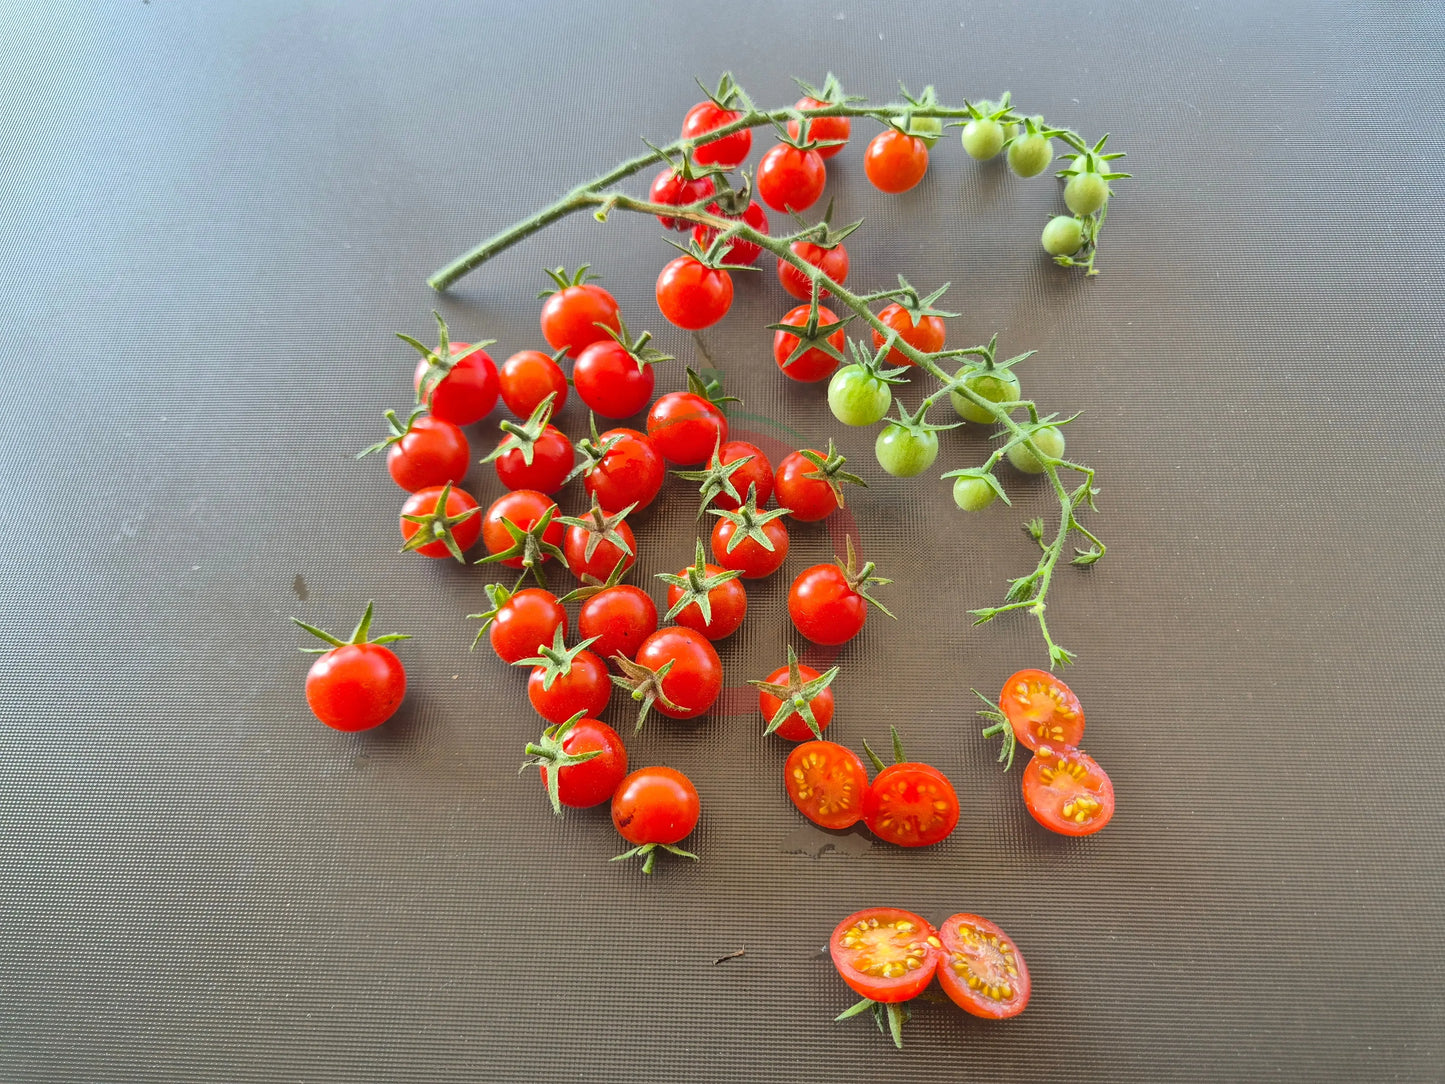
column 1067, row 792
column 826, row 781
column 885, row 953
column 1042, row 710
column 981, row 969
column 911, row 805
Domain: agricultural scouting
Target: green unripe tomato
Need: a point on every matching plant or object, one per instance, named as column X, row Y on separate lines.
column 1063, row 236
column 973, row 494
column 996, row 387
column 983, row 139
column 1050, row 442
column 1031, row 155
column 903, row 453
column 927, row 129
column 858, row 398
column 1085, row 193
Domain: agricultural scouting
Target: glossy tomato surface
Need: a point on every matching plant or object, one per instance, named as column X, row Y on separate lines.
column 833, row 262
column 813, row 364
column 726, row 152
column 655, row 805
column 571, row 315
column 585, row 687
column 1042, row 710
column 795, row 727
column 1067, row 792
column 594, row 781
column 911, row 805
column 685, row 427
column 696, row 677
column 981, row 969
column 885, row 953
column 728, row 603
column 620, row 617
column 522, row 508
column 826, row 781
column 424, row 502
column 749, row 556
column 525, row 623
column 355, row 686
column 693, row 296
column 605, row 554
column 927, row 335
column 609, row 380
column 528, row 377
column 740, row 251
column 552, row 459
column 631, row 472
column 895, row 162
column 467, row 393
column 432, row 453
column 822, row 128
column 756, row 473
column 808, row 499
column 824, row 607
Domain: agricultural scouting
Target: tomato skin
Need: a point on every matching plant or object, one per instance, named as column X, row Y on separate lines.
column 1042, row 710
column 974, row 947
column 757, row 473
column 693, row 296
column 525, row 623
column 726, row 152
column 791, row 180
column 911, row 805
column 739, row 251
column 585, row 687
column 581, row 786
column 895, row 162
column 1067, row 792
column 570, row 317
column 874, row 935
column 926, row 336
column 655, row 805
column 424, row 501
column 355, row 686
column 552, row 459
column 465, row 395
column 609, row 380
column 729, row 603
column 809, row 499
column 833, row 262
column 685, row 427
column 604, row 557
column 748, row 557
column 826, row 781
column 824, row 607
column 630, row 473
column 814, row 364
column 524, row 507
column 528, row 377
column 432, row 453
column 695, row 680
column 822, row 128
column 795, row 727
column 904, row 453
column 620, row 617
column 668, row 187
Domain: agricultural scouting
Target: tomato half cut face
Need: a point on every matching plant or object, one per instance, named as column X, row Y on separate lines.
column 885, row 953
column 1042, row 710
column 911, row 805
column 981, row 969
column 1067, row 792
column 826, row 781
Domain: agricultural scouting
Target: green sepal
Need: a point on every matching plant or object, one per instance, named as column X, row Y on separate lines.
column 637, row 349
column 797, row 695
column 530, row 545
column 811, row 335
column 872, row 362
column 918, row 306
column 556, row 661
column 359, row 635
column 523, row 438
column 648, row 852
column 643, row 685
column 600, row 527
column 498, row 595
column 749, row 521
column 548, row 752
column 717, row 478
column 708, row 385
column 437, row 526
column 441, row 361
column 592, row 586
column 593, row 448
column 889, row 1016
column 832, row 91
column 983, row 475
column 917, row 422
column 562, row 279
column 1000, row 726
column 860, row 579
column 398, row 431
column 829, row 468
column 696, row 583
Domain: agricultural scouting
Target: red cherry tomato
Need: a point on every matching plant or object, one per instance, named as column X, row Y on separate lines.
column 571, row 315
column 895, row 162
column 1042, row 710
column 739, row 251
column 594, row 781
column 528, row 377
column 813, row 364
column 609, row 380
column 833, row 261
column 795, row 727
column 605, row 554
column 1067, row 792
column 586, row 686
column 685, row 427
column 809, row 499
column 981, row 969
column 655, row 805
column 669, row 188
column 826, row 781
column 911, row 805
column 824, row 606
column 467, row 393
column 630, row 473
column 432, row 453
column 424, row 502
column 756, row 473
column 885, row 953
column 790, row 179
column 695, row 680
column 726, row 152
column 822, row 128
column 620, row 618
column 525, row 623
column 729, row 603
column 523, row 507
column 355, row 686
column 926, row 336
column 552, row 460
column 693, row 296
column 748, row 556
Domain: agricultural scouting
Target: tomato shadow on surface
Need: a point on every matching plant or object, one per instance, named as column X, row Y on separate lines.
column 814, row 842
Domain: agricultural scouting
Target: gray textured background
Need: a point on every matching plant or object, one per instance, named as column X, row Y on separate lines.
column 213, row 219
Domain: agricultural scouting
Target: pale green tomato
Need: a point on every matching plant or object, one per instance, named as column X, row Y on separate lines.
column 903, row 453
column 1030, row 155
column 856, row 398
column 1085, row 193
column 983, row 139
column 997, row 387
column 927, row 129
column 973, row 494
column 1063, row 236
column 1050, row 442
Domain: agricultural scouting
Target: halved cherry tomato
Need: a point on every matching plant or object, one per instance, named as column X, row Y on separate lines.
column 1042, row 710
column 528, row 377
column 526, row 622
column 685, row 427
column 981, row 969
column 1067, row 792
column 885, row 953
column 620, row 617
column 833, row 262
column 826, row 781
column 911, row 805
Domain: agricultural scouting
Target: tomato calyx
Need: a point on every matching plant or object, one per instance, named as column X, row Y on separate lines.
column 832, row 92
column 645, row 685
column 918, row 306
column 797, row 695
column 523, row 438
column 889, row 1016
column 920, row 121
column 398, row 431
column 802, row 141
column 829, row 468
column 749, row 522
column 916, row 424
column 717, row 478
column 499, row 596
column 696, row 584
column 873, row 364
column 600, row 527
column 359, row 635
column 999, row 725
column 562, row 279
column 440, row 361
column 860, row 579
column 530, row 547
column 638, row 350
column 812, row 335
column 648, row 854
column 437, row 526
column 556, row 660
column 898, row 755
column 707, row 384
column 591, row 585
column 548, row 754
column 593, row 448
column 729, row 94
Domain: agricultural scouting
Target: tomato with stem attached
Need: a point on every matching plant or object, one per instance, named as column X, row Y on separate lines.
column 982, row 138
column 857, row 397
column 425, row 451
column 1063, row 235
column 565, row 681
column 911, row 805
column 754, row 474
column 551, row 457
column 981, row 969
column 826, row 781
column 1029, row 155
column 466, row 392
column 1050, row 441
column 739, row 251
column 583, row 762
column 748, row 541
column 814, row 363
column 523, row 509
column 725, row 152
column 692, row 295
column 904, row 452
column 995, row 385
column 1067, row 792
column 796, row 701
column 822, row 129
column 528, row 377
column 1042, row 710
column 895, row 162
column 689, row 686
column 685, row 427
column 357, row 684
column 618, row 618
column 706, row 598
column 808, row 484
column 671, row 188
column 440, row 521
column 655, row 809
column 833, row 262
column 605, row 553
column 610, row 381
column 630, row 471
column 521, row 623
column 572, row 314
column 829, row 603
column 1086, row 192
column 885, row 954
column 926, row 335
column 790, row 179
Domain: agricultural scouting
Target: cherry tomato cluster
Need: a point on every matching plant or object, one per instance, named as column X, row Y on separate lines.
column 890, row 956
